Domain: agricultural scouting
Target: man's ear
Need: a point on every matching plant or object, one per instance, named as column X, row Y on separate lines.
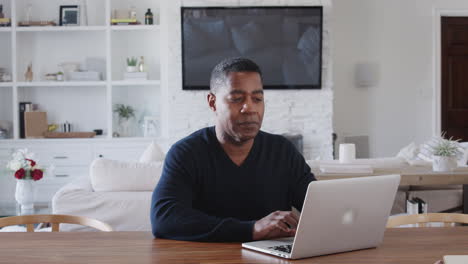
column 211, row 98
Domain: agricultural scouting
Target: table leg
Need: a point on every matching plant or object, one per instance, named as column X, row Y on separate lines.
column 465, row 198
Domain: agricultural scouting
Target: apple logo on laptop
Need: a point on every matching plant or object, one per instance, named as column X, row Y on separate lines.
column 348, row 217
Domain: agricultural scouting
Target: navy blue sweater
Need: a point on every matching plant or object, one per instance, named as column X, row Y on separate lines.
column 204, row 196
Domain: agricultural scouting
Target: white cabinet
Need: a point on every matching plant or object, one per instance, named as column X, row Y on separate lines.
column 64, row 161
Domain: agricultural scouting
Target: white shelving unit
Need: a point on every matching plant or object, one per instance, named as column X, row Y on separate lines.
column 86, row 105
column 59, row 29
column 47, row 47
column 60, row 84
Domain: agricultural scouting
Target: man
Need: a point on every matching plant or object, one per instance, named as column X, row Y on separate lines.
column 231, row 182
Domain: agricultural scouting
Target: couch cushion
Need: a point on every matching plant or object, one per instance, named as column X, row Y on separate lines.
column 153, row 153
column 111, row 175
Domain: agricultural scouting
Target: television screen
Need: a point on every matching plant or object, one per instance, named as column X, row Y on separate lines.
column 286, row 42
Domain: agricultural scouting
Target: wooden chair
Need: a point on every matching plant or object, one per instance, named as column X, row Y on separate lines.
column 423, row 219
column 55, row 220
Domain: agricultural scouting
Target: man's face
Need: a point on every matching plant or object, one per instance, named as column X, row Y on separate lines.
column 240, row 107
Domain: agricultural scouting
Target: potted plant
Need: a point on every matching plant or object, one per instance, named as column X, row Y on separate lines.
column 125, row 114
column 132, row 64
column 445, row 153
column 59, row 76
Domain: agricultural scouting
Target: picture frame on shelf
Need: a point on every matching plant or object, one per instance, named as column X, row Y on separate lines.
column 69, row 15
column 150, row 126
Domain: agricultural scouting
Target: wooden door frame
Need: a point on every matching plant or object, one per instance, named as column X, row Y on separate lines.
column 438, row 13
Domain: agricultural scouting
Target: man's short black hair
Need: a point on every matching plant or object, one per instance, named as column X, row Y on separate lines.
column 220, row 73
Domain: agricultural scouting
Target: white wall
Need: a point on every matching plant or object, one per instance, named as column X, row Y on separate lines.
column 397, row 35
column 305, row 112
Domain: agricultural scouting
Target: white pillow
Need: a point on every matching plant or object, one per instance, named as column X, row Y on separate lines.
column 112, row 175
column 152, row 153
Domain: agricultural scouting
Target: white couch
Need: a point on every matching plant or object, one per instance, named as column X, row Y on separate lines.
column 115, row 192
column 124, row 211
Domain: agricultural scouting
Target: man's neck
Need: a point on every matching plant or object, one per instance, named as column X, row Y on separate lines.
column 237, row 151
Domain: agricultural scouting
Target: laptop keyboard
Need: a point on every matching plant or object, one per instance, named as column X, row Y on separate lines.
column 284, row 248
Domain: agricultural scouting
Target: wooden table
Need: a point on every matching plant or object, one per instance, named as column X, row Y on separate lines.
column 401, row 245
column 414, row 176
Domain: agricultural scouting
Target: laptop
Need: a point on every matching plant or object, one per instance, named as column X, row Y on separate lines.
column 337, row 216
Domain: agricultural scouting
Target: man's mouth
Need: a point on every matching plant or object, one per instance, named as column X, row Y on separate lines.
column 249, row 123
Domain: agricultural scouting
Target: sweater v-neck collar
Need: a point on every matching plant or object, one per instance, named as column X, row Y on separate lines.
column 226, row 157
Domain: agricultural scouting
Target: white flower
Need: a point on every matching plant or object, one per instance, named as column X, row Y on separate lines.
column 14, row 165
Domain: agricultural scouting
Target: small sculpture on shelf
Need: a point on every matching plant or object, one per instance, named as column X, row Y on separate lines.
column 28, row 75
column 141, row 65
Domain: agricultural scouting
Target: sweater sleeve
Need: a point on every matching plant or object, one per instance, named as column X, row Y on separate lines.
column 172, row 213
column 301, row 178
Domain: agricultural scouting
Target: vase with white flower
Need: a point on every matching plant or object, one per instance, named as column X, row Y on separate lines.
column 26, row 171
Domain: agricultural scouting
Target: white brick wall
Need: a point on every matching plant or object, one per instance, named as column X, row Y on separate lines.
column 306, row 112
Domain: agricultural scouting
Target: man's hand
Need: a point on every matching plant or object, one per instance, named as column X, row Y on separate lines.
column 276, row 224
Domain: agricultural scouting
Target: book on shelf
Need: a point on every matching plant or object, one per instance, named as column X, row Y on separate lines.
column 126, row 21
column 36, row 23
column 123, row 20
column 23, row 107
column 136, row 76
column 5, row 22
column 125, row 24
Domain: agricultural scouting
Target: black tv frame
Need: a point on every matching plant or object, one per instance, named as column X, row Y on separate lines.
column 269, row 87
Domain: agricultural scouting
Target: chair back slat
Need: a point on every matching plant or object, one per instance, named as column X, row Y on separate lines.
column 424, row 219
column 55, row 227
column 30, row 227
column 55, row 220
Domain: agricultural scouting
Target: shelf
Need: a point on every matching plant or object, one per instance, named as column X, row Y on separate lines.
column 136, row 83
column 134, row 27
column 6, row 84
column 61, row 28
column 5, row 29
column 60, row 84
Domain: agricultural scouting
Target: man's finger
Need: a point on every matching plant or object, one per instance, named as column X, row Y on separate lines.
column 282, row 226
column 289, row 219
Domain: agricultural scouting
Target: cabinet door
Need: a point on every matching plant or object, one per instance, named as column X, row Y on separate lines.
column 63, row 155
column 7, row 179
column 63, row 175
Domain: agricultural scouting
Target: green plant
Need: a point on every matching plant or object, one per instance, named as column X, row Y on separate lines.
column 124, row 111
column 446, row 147
column 132, row 61
column 59, row 73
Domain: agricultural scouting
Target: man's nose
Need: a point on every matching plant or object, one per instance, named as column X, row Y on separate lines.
column 248, row 106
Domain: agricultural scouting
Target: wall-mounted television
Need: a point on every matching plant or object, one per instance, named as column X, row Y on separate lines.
column 286, row 42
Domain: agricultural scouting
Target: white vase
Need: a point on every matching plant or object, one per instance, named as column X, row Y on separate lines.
column 444, row 163
column 132, row 68
column 24, row 194
column 126, row 127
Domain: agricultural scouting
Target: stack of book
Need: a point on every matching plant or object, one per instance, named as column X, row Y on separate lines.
column 5, row 22
column 124, row 21
column 136, row 76
column 23, row 107
column 85, row 76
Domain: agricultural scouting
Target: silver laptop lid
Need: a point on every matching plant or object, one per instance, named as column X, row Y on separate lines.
column 344, row 215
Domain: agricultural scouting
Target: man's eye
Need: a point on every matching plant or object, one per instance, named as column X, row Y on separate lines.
column 258, row 99
column 236, row 99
